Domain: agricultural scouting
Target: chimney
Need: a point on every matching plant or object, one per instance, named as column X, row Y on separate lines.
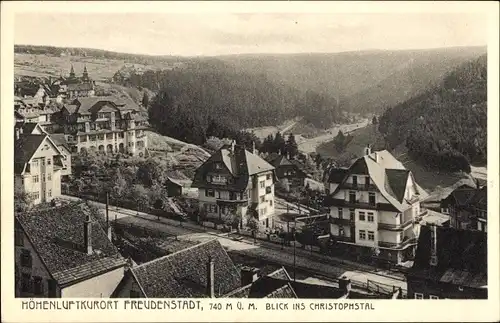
column 87, row 234
column 368, row 150
column 375, row 157
column 248, row 275
column 279, row 152
column 288, row 156
column 434, row 259
column 253, row 148
column 210, row 278
column 345, row 284
column 233, row 144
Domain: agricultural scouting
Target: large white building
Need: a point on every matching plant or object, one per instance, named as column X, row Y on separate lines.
column 234, row 181
column 375, row 207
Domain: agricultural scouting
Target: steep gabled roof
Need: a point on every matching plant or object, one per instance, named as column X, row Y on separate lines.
column 184, row 273
column 240, row 163
column 389, row 183
column 57, row 235
column 337, row 175
column 24, row 149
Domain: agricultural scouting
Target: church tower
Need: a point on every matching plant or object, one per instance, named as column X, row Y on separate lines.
column 72, row 72
column 85, row 77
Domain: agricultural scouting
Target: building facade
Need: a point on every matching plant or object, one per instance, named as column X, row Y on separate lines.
column 288, row 172
column 104, row 124
column 467, row 208
column 38, row 166
column 375, row 208
column 54, row 259
column 449, row 264
column 236, row 182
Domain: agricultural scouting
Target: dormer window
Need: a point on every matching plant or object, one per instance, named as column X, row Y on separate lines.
column 218, row 166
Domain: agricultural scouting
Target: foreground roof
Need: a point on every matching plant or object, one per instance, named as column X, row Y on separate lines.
column 184, row 273
column 461, row 257
column 26, row 146
column 57, row 235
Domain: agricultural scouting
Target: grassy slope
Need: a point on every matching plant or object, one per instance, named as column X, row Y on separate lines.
column 432, row 181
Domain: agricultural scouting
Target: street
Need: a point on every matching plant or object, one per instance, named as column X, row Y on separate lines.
column 320, row 264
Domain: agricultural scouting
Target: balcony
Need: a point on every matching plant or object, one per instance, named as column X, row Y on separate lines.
column 395, row 227
column 340, row 221
column 358, row 187
column 398, row 245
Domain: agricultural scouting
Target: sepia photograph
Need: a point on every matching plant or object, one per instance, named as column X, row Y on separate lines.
column 250, row 155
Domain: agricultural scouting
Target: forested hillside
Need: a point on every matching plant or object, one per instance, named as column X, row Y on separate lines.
column 364, row 81
column 445, row 127
column 193, row 103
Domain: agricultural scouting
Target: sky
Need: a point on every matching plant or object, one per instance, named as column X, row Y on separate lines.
column 189, row 34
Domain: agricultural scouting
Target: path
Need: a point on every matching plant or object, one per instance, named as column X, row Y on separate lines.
column 310, row 145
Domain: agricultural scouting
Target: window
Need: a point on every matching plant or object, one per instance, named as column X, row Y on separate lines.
column 37, row 285
column 370, row 217
column 18, row 237
column 371, row 198
column 218, row 166
column 401, row 236
column 355, row 181
column 83, row 138
column 209, row 178
column 433, row 297
column 270, row 202
column 49, row 161
column 49, row 176
column 352, row 214
column 419, row 296
column 371, row 235
column 134, row 294
column 362, row 234
column 262, row 184
column 341, row 231
column 210, row 193
column 26, row 258
column 43, row 162
column 43, row 178
column 218, row 179
column 262, row 199
column 34, row 163
column 361, row 216
column 36, row 179
column 268, row 176
column 211, row 208
column 25, row 283
column 35, row 195
column 352, row 196
column 367, row 180
column 50, row 193
column 340, row 213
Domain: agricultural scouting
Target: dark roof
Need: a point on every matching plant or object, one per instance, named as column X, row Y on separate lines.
column 396, row 182
column 480, row 198
column 93, row 104
column 241, row 164
column 80, row 86
column 337, row 175
column 279, row 285
column 462, row 252
column 59, row 139
column 57, row 235
column 28, row 127
column 278, row 160
column 24, row 148
column 184, row 273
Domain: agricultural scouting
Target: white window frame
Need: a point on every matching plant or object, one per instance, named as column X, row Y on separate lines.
column 364, row 216
column 210, row 193
column 433, row 297
column 372, row 234
column 370, row 216
column 418, row 296
column 262, row 184
column 362, row 235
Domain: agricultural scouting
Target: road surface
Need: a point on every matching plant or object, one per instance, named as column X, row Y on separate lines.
column 262, row 249
column 310, row 145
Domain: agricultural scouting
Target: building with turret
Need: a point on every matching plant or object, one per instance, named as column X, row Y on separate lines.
column 75, row 87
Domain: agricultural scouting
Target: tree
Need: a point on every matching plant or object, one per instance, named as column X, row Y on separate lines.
column 139, row 195
column 253, row 225
column 145, row 99
column 119, row 185
column 22, row 200
column 292, row 149
column 279, row 143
